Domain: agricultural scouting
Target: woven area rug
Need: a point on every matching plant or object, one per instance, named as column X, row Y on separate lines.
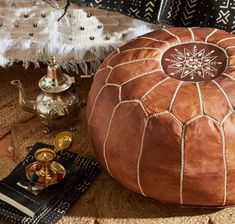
column 9, row 107
column 106, row 201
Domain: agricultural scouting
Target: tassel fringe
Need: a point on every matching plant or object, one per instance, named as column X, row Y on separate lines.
column 70, row 56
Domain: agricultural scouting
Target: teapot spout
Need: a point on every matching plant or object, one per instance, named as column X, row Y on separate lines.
column 25, row 104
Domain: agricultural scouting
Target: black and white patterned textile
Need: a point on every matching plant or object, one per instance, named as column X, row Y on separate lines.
column 58, row 207
column 206, row 13
column 147, row 10
column 210, row 13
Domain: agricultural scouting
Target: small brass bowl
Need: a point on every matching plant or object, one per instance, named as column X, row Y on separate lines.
column 36, row 174
column 63, row 140
column 45, row 155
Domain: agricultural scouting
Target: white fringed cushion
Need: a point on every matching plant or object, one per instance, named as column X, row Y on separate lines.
column 29, row 32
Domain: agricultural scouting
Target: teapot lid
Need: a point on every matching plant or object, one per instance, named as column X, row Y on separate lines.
column 55, row 80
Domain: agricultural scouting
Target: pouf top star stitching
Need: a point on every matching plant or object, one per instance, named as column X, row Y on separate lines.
column 161, row 116
column 194, row 61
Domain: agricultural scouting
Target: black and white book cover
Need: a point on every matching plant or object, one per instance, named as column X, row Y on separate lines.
column 21, row 204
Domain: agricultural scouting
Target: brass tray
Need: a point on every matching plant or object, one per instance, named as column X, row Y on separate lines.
column 54, row 174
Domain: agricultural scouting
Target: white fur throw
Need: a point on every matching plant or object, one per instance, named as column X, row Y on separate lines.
column 30, row 32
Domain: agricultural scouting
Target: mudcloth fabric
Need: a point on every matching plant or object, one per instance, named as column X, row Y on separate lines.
column 54, row 210
column 212, row 13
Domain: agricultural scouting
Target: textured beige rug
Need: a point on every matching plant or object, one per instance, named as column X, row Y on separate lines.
column 10, row 111
column 106, row 201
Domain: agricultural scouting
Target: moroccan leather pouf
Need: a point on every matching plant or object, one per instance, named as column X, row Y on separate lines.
column 161, row 116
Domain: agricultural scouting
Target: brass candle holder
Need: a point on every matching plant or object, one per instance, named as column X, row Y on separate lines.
column 45, row 172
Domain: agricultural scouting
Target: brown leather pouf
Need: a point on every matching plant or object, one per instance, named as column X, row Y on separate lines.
column 161, row 116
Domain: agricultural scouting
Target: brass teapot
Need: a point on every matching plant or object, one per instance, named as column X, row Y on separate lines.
column 56, row 105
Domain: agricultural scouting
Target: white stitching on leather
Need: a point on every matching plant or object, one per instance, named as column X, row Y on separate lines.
column 141, row 48
column 165, row 113
column 129, row 62
column 98, row 71
column 176, row 119
column 193, row 119
column 226, row 117
column 230, row 47
column 225, row 39
column 212, row 119
column 160, row 62
column 174, row 96
column 227, row 98
column 155, row 86
column 140, row 155
column 225, row 163
column 182, row 164
column 183, row 150
column 192, row 34
column 109, row 127
column 137, row 60
column 153, row 39
column 120, row 94
column 143, row 108
column 177, row 37
column 112, row 57
column 200, row 42
column 106, row 138
column 107, row 78
column 107, row 63
column 158, row 114
column 200, row 116
column 200, row 98
column 133, row 49
column 228, row 76
column 212, row 33
column 161, row 113
column 141, row 75
column 96, row 99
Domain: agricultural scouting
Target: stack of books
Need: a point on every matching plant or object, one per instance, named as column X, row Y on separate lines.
column 22, row 203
